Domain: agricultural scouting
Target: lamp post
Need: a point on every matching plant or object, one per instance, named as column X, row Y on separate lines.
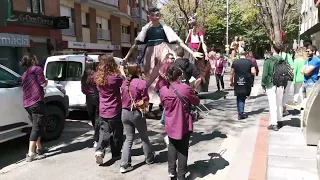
column 227, row 30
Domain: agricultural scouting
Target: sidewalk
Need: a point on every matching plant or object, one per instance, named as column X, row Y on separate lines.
column 289, row 157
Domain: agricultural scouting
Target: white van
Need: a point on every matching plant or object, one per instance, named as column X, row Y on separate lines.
column 67, row 71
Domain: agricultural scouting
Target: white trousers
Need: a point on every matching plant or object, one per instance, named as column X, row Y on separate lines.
column 275, row 98
column 298, row 97
column 286, row 93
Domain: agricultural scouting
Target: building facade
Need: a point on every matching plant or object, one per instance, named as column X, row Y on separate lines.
column 310, row 24
column 101, row 25
column 34, row 26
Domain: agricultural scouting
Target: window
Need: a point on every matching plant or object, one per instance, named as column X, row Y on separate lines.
column 6, row 76
column 36, row 6
column 109, row 24
column 85, row 19
column 73, row 16
column 125, row 29
column 64, row 71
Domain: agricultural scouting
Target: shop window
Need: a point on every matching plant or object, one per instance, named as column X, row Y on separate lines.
column 36, row 6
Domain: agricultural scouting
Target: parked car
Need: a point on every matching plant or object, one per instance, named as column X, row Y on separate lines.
column 67, row 71
column 15, row 120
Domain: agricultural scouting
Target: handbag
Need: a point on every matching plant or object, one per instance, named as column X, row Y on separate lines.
column 194, row 114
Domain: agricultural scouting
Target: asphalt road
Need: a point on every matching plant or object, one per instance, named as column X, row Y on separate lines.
column 72, row 156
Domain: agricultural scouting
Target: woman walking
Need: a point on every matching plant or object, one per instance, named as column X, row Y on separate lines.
column 135, row 99
column 177, row 99
column 298, row 78
column 89, row 88
column 220, row 66
column 163, row 79
column 33, row 82
column 108, row 80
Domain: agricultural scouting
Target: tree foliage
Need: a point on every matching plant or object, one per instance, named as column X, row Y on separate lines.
column 255, row 23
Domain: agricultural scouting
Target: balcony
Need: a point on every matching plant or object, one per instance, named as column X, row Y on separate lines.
column 110, row 5
column 69, row 32
column 103, row 34
column 135, row 14
column 125, row 38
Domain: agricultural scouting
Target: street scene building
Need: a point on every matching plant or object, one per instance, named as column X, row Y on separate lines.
column 310, row 22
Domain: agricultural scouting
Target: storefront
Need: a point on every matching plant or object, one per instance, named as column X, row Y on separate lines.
column 89, row 47
column 12, row 48
column 43, row 33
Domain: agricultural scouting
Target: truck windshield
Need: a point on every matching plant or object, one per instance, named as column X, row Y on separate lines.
column 64, row 71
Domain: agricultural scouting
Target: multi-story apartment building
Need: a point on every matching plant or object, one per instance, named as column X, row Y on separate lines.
column 101, row 25
column 33, row 26
column 310, row 22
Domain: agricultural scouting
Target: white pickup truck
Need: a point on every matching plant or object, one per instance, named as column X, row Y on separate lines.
column 15, row 122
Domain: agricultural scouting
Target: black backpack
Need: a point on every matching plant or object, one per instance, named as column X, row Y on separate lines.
column 282, row 73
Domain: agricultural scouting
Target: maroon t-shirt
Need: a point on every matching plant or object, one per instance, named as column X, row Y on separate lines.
column 110, row 97
column 138, row 89
column 31, row 82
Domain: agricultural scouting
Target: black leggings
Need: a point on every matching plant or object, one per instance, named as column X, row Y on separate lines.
column 37, row 115
column 219, row 80
column 92, row 102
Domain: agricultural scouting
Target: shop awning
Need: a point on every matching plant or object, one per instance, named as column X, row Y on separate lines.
column 312, row 30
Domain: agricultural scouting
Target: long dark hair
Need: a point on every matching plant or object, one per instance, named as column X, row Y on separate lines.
column 107, row 66
column 173, row 74
column 90, row 68
column 132, row 71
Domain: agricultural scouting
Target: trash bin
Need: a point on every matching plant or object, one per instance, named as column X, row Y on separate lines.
column 310, row 116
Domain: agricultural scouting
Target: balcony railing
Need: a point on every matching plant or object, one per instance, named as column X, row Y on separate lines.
column 103, row 34
column 69, row 32
column 97, row 2
column 125, row 38
column 135, row 13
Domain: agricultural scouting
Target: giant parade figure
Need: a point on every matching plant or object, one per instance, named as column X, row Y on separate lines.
column 195, row 40
column 158, row 39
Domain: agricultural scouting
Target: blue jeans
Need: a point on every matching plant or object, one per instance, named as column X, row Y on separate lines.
column 162, row 116
column 241, row 100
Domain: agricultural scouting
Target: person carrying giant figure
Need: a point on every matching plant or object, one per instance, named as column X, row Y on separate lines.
column 195, row 40
column 158, row 38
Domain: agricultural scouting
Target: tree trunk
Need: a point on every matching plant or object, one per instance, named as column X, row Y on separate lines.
column 275, row 21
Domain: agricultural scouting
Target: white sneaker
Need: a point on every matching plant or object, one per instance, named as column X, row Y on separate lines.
column 126, row 169
column 166, row 140
column 99, row 157
column 95, row 144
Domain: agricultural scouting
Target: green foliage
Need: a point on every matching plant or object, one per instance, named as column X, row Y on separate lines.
column 243, row 21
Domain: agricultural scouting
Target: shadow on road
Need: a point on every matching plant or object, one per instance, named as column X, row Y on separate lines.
column 213, row 95
column 203, row 168
column 197, row 137
column 14, row 151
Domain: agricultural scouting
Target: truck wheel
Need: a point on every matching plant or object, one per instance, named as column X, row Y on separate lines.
column 54, row 124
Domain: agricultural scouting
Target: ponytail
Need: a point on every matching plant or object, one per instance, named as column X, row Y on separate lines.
column 173, row 74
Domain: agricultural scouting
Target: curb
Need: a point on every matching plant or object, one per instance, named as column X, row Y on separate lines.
column 258, row 170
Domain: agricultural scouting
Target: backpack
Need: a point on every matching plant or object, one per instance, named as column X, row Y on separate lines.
column 282, row 73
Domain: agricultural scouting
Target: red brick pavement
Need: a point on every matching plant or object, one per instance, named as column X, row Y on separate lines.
column 259, row 162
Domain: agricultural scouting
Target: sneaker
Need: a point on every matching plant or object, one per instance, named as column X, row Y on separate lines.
column 99, row 157
column 127, row 168
column 32, row 157
column 243, row 116
column 42, row 151
column 95, row 144
column 171, row 175
column 151, row 159
column 285, row 113
column 273, row 127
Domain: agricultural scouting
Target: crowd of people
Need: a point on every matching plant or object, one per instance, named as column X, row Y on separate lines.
column 280, row 72
column 119, row 102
